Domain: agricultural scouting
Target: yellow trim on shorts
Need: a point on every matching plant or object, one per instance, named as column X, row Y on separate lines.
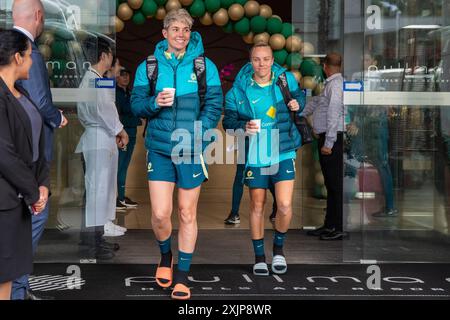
column 205, row 171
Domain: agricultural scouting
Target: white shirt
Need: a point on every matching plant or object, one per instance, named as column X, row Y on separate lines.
column 98, row 117
column 27, row 33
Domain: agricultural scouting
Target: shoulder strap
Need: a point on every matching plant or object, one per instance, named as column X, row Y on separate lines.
column 200, row 73
column 287, row 96
column 284, row 87
column 152, row 73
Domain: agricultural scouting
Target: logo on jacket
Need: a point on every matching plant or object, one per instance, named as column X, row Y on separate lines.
column 272, row 112
column 149, row 167
column 193, row 78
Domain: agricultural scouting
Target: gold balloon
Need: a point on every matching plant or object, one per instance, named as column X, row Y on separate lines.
column 251, row 8
column 293, row 44
column 173, row 5
column 319, row 179
column 261, row 38
column 186, row 2
column 50, row 70
column 46, row 38
column 308, row 49
column 206, row 19
column 160, row 13
column 278, row 17
column 46, row 51
column 297, row 75
column 248, row 38
column 308, row 83
column 277, row 41
column 265, row 11
column 319, row 89
column 124, row 12
column 316, row 60
column 76, row 47
column 135, row 4
column 236, row 12
column 81, row 35
column 119, row 25
column 221, row 17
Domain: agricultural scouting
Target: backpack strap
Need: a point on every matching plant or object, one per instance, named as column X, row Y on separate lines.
column 152, row 73
column 287, row 96
column 284, row 87
column 300, row 122
column 200, row 73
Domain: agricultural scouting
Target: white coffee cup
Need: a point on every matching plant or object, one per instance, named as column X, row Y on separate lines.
column 172, row 95
column 258, row 123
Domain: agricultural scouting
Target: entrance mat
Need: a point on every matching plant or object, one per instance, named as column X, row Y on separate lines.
column 225, row 282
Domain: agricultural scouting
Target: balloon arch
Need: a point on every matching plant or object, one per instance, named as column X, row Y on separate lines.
column 255, row 22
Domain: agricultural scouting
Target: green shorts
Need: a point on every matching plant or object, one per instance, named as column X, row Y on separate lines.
column 185, row 175
column 262, row 177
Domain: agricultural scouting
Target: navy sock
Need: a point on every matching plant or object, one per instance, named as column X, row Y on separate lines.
column 278, row 241
column 166, row 253
column 184, row 261
column 258, row 247
column 184, row 264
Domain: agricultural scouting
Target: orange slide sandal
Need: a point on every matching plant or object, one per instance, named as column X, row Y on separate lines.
column 181, row 292
column 164, row 276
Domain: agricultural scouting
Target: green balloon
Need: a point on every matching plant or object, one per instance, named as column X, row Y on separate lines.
column 294, row 60
column 212, row 5
column 160, row 2
column 241, row 2
column 226, row 3
column 242, row 26
column 149, row 8
column 197, row 9
column 318, row 73
column 308, row 68
column 280, row 56
column 138, row 18
column 258, row 24
column 229, row 27
column 59, row 49
column 274, row 25
column 287, row 30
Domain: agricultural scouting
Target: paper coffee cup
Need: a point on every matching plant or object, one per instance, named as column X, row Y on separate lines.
column 172, row 94
column 258, row 123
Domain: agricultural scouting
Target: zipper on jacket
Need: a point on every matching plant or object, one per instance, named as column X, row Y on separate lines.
column 175, row 105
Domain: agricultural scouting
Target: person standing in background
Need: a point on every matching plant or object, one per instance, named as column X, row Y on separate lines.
column 130, row 123
column 24, row 171
column 328, row 124
column 28, row 18
column 98, row 144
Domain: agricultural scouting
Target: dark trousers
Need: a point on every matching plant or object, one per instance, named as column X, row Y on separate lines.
column 91, row 236
column 333, row 173
column 124, row 162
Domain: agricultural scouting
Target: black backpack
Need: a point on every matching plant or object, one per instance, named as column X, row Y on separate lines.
column 200, row 73
column 199, row 69
column 300, row 122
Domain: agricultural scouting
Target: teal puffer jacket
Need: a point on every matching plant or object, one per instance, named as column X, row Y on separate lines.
column 162, row 122
column 238, row 110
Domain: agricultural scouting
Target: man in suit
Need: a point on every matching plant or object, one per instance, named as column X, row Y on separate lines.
column 28, row 18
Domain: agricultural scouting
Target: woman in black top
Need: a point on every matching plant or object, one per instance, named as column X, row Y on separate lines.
column 24, row 173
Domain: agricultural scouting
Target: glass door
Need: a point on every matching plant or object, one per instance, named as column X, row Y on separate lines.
column 397, row 174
